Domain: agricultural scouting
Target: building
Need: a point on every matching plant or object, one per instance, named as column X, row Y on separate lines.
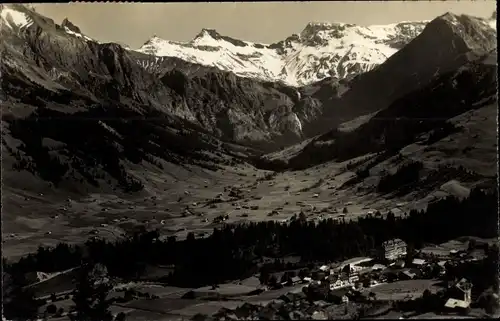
column 407, row 275
column 353, row 278
column 378, row 267
column 339, row 282
column 418, row 262
column 324, row 268
column 456, row 304
column 392, row 250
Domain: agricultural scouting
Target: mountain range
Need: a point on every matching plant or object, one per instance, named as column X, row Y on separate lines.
column 321, row 50
column 76, row 110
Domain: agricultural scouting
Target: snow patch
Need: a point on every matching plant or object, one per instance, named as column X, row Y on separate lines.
column 15, row 19
column 493, row 24
column 110, row 129
column 76, row 34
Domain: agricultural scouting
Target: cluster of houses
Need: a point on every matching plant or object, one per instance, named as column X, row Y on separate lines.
column 390, row 264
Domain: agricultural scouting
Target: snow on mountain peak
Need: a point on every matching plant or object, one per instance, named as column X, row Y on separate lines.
column 321, row 50
column 68, row 24
column 14, row 18
column 207, row 32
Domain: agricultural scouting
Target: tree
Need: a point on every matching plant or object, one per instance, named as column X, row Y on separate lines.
column 472, row 244
column 91, row 303
column 427, row 299
column 285, row 277
column 190, row 237
column 372, row 295
column 21, row 305
column 120, row 316
column 410, row 253
column 264, row 276
column 304, row 273
column 273, row 280
column 51, row 309
column 60, row 312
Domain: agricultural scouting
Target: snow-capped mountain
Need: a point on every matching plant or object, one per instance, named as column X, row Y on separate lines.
column 19, row 18
column 321, row 50
column 14, row 19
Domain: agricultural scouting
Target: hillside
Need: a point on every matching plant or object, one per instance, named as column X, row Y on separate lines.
column 446, row 43
column 442, row 133
column 59, row 83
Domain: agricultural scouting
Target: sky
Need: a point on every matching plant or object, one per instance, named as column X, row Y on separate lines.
column 264, row 22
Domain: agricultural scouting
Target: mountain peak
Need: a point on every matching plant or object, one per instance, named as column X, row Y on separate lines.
column 448, row 16
column 154, row 39
column 475, row 33
column 313, row 27
column 68, row 24
column 207, row 32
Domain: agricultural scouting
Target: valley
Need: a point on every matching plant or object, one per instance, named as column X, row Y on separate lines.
column 345, row 172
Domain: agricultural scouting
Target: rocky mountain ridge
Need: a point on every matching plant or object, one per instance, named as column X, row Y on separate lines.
column 321, row 50
column 183, row 112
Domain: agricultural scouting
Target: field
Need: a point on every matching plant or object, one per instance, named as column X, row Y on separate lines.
column 162, row 291
column 207, row 308
column 224, row 290
column 268, row 296
column 402, row 290
column 460, row 244
column 33, row 218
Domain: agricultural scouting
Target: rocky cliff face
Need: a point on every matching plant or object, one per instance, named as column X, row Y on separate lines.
column 227, row 106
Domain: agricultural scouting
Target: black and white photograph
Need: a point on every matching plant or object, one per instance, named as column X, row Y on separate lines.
column 206, row 161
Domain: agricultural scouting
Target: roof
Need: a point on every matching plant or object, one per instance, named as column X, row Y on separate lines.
column 355, row 260
column 319, row 315
column 296, row 279
column 454, row 303
column 418, row 261
column 340, row 291
column 321, row 303
column 378, row 267
column 410, row 274
column 392, row 242
column 324, row 268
